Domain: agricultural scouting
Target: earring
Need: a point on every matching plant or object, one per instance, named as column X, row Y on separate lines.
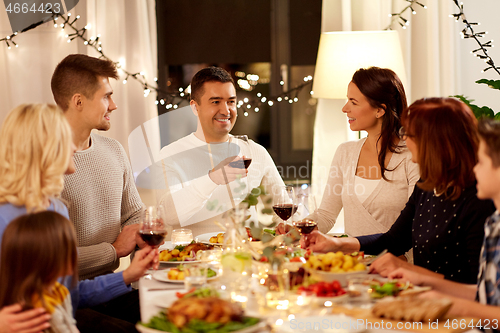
column 376, row 116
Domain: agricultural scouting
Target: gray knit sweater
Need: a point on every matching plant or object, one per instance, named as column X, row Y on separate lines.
column 102, row 199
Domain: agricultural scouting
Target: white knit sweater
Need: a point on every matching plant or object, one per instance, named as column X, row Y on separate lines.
column 102, row 199
column 380, row 210
column 189, row 189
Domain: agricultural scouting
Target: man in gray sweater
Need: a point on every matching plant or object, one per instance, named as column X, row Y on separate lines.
column 102, row 199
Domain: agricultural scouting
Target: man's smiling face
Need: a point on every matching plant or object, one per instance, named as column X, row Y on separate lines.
column 216, row 110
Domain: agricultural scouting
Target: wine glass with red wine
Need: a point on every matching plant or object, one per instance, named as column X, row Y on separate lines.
column 243, row 151
column 153, row 227
column 302, row 220
column 285, row 202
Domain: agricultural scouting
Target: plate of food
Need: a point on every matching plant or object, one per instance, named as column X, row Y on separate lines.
column 181, row 254
column 176, row 275
column 211, row 238
column 324, row 293
column 218, row 238
column 381, row 289
column 331, row 266
column 201, row 310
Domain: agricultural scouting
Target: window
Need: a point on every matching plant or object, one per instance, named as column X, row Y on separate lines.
column 273, row 40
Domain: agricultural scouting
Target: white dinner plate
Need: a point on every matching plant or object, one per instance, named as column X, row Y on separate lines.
column 167, row 298
column 163, row 277
column 205, row 238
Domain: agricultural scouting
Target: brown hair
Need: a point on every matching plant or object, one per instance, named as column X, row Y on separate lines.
column 445, row 132
column 383, row 89
column 489, row 132
column 79, row 73
column 209, row 74
column 36, row 250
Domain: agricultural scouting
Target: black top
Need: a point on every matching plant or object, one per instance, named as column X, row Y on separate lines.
column 446, row 235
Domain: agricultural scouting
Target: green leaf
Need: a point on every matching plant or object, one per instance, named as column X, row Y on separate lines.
column 493, row 84
column 267, row 211
column 497, row 116
column 266, row 238
column 212, row 204
column 256, row 232
column 479, row 112
column 268, row 251
column 256, row 191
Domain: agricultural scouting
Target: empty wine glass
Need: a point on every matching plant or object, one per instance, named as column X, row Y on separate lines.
column 285, row 202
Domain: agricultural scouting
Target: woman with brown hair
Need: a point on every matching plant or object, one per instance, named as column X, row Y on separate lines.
column 371, row 178
column 443, row 219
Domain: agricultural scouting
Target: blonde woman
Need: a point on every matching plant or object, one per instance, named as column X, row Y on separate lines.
column 36, row 151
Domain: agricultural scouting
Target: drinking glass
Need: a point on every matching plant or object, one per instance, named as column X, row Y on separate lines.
column 182, row 236
column 285, row 202
column 306, row 205
column 195, row 275
column 153, row 228
column 242, row 150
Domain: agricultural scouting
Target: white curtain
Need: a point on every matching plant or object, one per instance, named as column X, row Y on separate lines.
column 429, row 45
column 127, row 31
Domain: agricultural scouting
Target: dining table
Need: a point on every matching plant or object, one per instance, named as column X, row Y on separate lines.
column 151, row 290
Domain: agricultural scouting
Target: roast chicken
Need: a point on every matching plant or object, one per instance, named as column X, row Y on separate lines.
column 209, row 309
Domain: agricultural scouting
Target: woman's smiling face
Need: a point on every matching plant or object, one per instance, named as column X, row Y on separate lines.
column 361, row 115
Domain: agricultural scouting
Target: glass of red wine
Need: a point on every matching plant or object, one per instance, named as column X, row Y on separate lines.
column 243, row 151
column 301, row 220
column 153, row 227
column 285, row 202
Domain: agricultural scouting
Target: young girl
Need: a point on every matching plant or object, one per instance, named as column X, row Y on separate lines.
column 37, row 249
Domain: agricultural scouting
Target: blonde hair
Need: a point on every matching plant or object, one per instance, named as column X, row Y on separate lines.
column 35, row 150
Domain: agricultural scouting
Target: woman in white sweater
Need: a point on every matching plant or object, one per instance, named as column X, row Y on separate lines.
column 371, row 178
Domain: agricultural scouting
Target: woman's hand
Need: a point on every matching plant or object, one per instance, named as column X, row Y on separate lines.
column 282, row 229
column 319, row 242
column 387, row 264
column 14, row 320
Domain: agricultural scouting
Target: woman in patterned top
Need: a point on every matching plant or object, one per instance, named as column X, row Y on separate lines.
column 37, row 249
column 487, row 291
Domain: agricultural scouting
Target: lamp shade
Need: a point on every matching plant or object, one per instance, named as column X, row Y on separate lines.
column 340, row 54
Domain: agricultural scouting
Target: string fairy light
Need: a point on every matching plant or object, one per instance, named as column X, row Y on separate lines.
column 468, row 32
column 171, row 101
column 398, row 17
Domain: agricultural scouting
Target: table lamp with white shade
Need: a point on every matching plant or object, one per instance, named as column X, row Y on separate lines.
column 341, row 53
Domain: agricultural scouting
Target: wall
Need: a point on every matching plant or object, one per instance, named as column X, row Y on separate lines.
column 484, row 12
